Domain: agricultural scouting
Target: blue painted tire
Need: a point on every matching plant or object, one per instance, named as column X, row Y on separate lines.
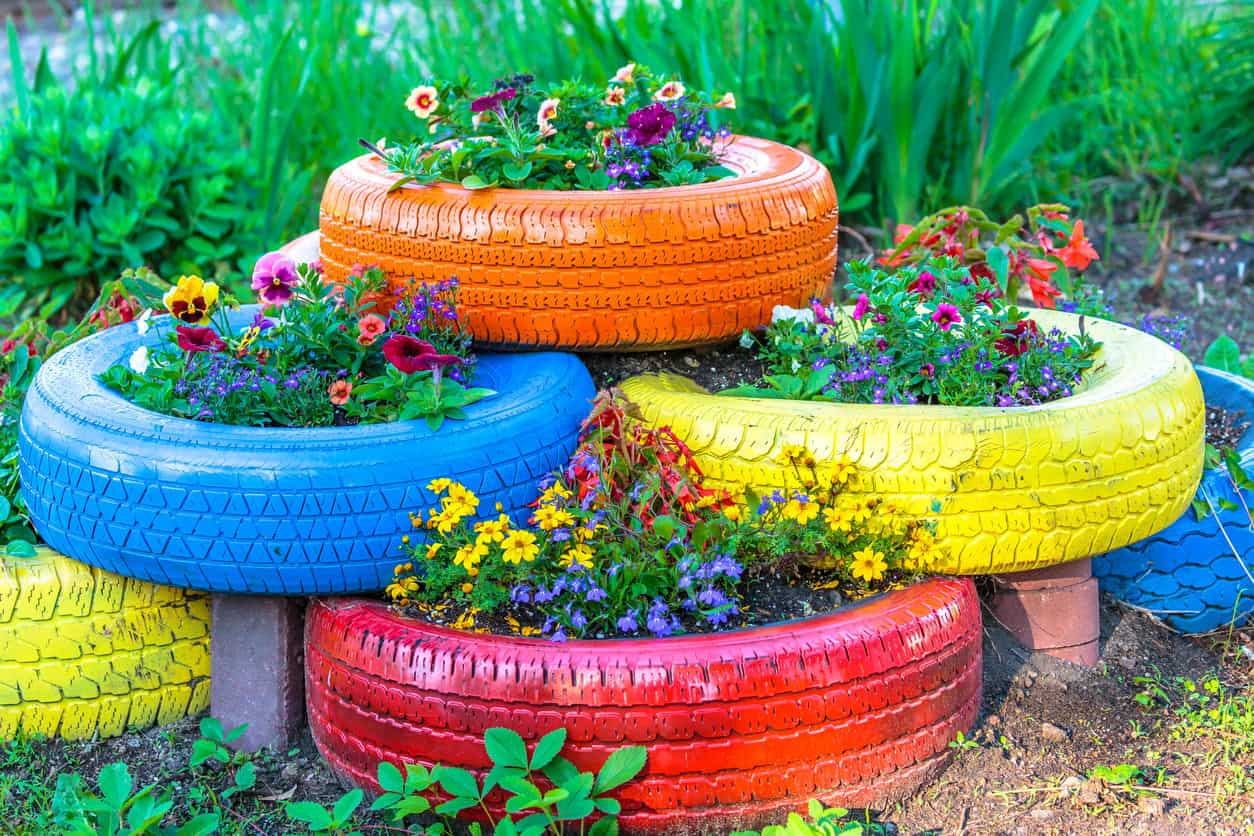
column 271, row 511
column 1188, row 573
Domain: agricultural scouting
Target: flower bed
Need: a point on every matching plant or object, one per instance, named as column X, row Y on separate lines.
column 1196, row 573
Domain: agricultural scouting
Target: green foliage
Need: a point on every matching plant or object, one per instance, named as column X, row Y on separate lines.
column 833, row 821
column 106, row 177
column 1224, row 354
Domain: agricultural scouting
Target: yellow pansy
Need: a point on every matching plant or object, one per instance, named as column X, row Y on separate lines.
column 190, row 299
column 518, row 546
column 868, row 565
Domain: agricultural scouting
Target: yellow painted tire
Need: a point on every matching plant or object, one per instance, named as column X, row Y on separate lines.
column 84, row 652
column 1016, row 488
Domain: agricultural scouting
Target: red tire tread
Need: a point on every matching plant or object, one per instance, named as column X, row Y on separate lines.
column 854, row 708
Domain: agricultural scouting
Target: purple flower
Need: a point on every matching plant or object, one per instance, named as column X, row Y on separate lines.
column 261, row 322
column 650, row 125
column 274, row 278
column 861, row 306
column 627, row 624
column 595, row 594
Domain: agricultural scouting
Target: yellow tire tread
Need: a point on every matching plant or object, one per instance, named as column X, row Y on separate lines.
column 87, row 653
column 1010, row 489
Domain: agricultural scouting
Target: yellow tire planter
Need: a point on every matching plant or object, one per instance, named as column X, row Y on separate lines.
column 85, row 653
column 1011, row 489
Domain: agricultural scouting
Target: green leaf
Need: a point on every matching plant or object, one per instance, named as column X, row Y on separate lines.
column 456, row 781
column 312, row 814
column 620, row 767
column 1224, row 354
column 201, row 825
column 548, row 748
column 20, row 548
column 211, row 729
column 1000, row 263
column 505, row 747
column 390, row 778
column 516, row 171
column 560, row 771
column 115, row 784
column 474, row 181
column 607, row 826
column 346, row 805
column 455, row 805
column 610, row 806
column 246, row 776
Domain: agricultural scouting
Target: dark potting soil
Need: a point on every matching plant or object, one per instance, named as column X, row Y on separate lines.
column 1224, row 428
column 770, row 597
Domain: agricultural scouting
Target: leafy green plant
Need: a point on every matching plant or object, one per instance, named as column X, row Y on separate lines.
column 212, row 746
column 118, row 809
column 962, row 743
column 106, row 177
column 1224, row 354
column 543, row 788
column 823, row 821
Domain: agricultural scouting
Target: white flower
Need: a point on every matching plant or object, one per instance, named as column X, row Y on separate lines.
column 139, row 360
column 623, row 76
column 781, row 312
column 142, row 323
column 669, row 91
column 423, row 101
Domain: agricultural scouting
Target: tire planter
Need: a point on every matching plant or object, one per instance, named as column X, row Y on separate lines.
column 1189, row 573
column 86, row 653
column 599, row 271
column 271, row 511
column 1018, row 488
column 856, row 707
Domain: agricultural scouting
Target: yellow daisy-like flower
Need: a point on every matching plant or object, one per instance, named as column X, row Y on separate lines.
column 550, row 518
column 191, row 299
column 669, row 91
column 492, row 531
column 841, row 470
column 432, row 550
column 735, row 513
column 580, row 553
column 395, row 591
column 469, row 555
column 860, row 513
column 922, row 546
column 445, row 521
column 554, row 492
column 868, row 565
column 518, row 546
column 801, row 511
column 793, row 453
column 439, row 486
column 837, row 520
column 423, row 101
column 462, row 494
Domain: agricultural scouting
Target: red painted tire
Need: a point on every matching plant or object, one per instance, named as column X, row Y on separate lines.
column 855, row 708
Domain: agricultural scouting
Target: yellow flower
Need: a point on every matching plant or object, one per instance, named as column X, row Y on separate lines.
column 555, row 492
column 793, row 453
column 468, row 587
column 469, row 555
column 860, row 513
column 580, row 553
column 922, row 546
column 423, row 101
column 445, row 521
column 837, row 520
column 868, row 564
column 492, row 531
column 432, row 549
column 841, row 470
column 669, row 91
column 518, row 546
column 466, row 620
column 395, row 591
column 735, row 513
column 439, row 486
column 550, row 518
column 801, row 510
column 462, row 495
column 404, row 538
column 415, row 519
column 191, row 299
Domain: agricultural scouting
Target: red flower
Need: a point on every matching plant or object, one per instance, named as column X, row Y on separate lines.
column 1041, row 282
column 986, row 296
column 413, row 355
column 1018, row 339
column 199, row 339
column 1078, row 253
column 924, row 285
column 8, row 346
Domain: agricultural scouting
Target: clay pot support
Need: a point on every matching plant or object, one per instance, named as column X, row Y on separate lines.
column 1052, row 610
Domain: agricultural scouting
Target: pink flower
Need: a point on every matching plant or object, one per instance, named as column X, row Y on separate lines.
column 199, row 339
column 492, row 101
column 728, row 101
column 275, row 278
column 927, row 370
column 614, row 96
column 544, row 117
column 650, row 125
column 339, row 391
column 924, row 285
column 623, row 75
column 861, row 306
column 369, row 327
column 820, row 313
column 946, row 316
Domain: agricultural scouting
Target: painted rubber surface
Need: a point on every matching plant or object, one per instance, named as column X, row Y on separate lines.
column 87, row 653
column 600, row 271
column 1190, row 573
column 269, row 510
column 855, row 708
column 1018, row 488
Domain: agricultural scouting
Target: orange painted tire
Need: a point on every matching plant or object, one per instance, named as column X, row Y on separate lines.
column 599, row 271
column 856, row 708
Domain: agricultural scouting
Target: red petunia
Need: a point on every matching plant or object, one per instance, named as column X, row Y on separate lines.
column 1018, row 339
column 199, row 339
column 410, row 355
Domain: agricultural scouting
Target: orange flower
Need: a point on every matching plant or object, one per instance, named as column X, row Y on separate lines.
column 369, row 327
column 339, row 392
column 1079, row 252
column 615, row 96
